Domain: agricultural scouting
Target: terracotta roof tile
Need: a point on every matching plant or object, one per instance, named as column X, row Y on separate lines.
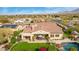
column 45, row 26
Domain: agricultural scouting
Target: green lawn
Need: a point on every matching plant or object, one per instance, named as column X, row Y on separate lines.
column 23, row 46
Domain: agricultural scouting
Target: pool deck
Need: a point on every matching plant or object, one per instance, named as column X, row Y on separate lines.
column 51, row 41
column 62, row 41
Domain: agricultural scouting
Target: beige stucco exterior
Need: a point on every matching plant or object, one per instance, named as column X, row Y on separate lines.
column 40, row 32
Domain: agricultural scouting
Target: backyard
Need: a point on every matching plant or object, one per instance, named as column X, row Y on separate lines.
column 24, row 46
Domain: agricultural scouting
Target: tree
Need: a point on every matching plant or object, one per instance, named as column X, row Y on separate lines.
column 69, row 31
column 14, row 36
column 13, row 40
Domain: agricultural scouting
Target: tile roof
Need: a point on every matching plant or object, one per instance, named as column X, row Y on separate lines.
column 44, row 26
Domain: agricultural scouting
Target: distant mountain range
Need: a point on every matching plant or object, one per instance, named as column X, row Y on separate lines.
column 76, row 10
column 73, row 11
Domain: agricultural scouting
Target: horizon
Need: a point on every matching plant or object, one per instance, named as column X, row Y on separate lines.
column 34, row 10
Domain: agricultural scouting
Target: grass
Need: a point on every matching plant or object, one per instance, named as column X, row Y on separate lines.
column 24, row 46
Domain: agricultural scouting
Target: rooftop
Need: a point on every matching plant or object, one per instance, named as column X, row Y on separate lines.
column 44, row 26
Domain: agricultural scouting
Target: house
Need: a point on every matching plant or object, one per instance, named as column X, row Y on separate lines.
column 70, row 23
column 75, row 34
column 43, row 31
column 23, row 21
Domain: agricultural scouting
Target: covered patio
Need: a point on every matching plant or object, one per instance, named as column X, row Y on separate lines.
column 40, row 36
column 36, row 36
column 26, row 36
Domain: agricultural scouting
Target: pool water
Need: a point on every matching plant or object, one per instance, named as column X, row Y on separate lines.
column 8, row 26
column 67, row 46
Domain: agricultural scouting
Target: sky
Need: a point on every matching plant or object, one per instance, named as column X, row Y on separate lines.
column 34, row 10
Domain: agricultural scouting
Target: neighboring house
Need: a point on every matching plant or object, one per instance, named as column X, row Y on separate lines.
column 42, row 31
column 75, row 34
column 19, row 21
column 77, row 39
column 70, row 23
column 23, row 21
column 75, row 19
column 57, row 18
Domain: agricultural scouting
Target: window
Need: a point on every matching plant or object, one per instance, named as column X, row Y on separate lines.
column 27, row 37
column 57, row 35
column 52, row 35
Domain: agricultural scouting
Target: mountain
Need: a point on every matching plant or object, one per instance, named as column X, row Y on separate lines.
column 76, row 10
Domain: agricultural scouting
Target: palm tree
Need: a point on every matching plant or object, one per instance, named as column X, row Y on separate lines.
column 14, row 36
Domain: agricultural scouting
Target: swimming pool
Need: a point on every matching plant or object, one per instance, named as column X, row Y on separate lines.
column 8, row 26
column 67, row 46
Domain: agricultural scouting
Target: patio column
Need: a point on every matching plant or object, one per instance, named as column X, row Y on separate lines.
column 49, row 35
column 22, row 37
column 31, row 38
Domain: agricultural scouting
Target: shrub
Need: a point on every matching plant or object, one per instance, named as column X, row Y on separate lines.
column 69, row 31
